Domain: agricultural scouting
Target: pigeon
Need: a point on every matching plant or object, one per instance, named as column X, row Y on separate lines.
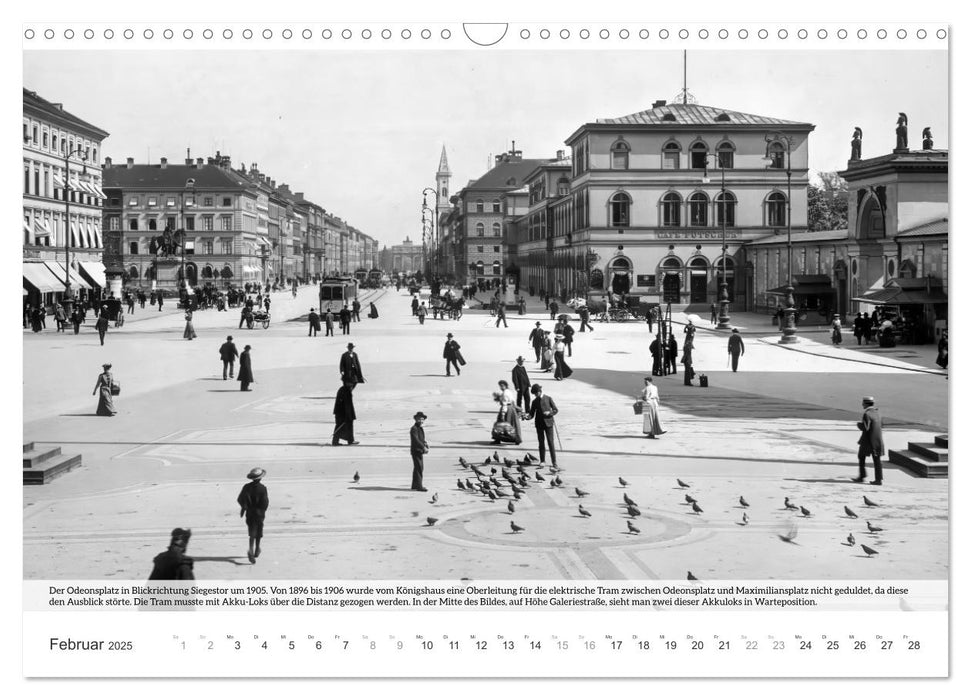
column 633, row 529
column 464, row 464
column 516, row 489
column 791, row 535
column 581, row 494
column 468, row 484
column 849, row 512
column 530, row 457
column 696, row 508
column 805, row 511
column 510, row 507
column 508, row 462
column 629, row 501
column 434, row 498
column 689, row 499
column 517, row 495
column 488, row 460
column 515, row 527
column 744, row 518
column 869, row 550
column 494, row 481
column 558, row 480
column 540, row 477
column 477, row 471
column 493, row 471
column 789, row 505
column 492, row 496
column 743, row 502
column 495, row 456
column 431, row 520
column 873, row 528
column 692, row 577
column 357, row 477
column 501, row 494
column 634, row 511
column 868, row 502
column 622, row 482
column 585, row 512
column 460, row 485
column 683, row 485
column 851, row 539
column 524, row 481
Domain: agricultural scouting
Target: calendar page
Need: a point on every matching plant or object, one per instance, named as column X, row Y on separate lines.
column 374, row 347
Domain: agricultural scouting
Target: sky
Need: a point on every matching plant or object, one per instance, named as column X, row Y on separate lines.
column 361, row 132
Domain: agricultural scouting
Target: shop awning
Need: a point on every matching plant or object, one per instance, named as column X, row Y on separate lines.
column 26, row 228
column 40, row 277
column 94, row 270
column 97, row 237
column 74, row 235
column 100, row 192
column 58, row 271
column 814, row 285
column 901, row 291
column 58, row 181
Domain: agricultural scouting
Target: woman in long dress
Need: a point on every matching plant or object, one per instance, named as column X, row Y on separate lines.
column 546, row 363
column 507, row 414
column 559, row 355
column 190, row 331
column 106, row 407
column 374, row 311
column 649, row 403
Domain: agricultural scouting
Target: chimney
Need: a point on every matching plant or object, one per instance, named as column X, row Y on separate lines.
column 659, row 103
column 130, row 163
column 298, row 195
column 560, row 155
column 164, row 164
column 188, row 161
column 199, row 162
column 107, row 162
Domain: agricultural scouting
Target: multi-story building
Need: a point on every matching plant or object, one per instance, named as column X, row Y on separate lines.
column 540, row 267
column 62, row 199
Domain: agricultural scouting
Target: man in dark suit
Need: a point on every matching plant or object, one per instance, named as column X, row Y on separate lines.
column 313, row 318
column 245, row 370
column 102, row 324
column 870, row 442
column 736, row 348
column 344, row 415
column 567, row 331
column 356, row 310
column 351, row 366
column 451, row 354
column 228, row 354
column 173, row 564
column 542, row 411
column 520, row 380
column 501, row 315
column 671, row 357
column 687, row 359
column 328, row 323
column 554, row 309
column 345, row 317
column 536, row 338
column 419, row 448
column 253, row 503
column 657, row 368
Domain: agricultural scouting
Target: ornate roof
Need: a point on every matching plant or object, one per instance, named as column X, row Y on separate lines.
column 443, row 163
column 697, row 115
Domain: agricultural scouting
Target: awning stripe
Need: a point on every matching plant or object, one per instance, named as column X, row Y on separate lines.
column 40, row 277
column 58, row 270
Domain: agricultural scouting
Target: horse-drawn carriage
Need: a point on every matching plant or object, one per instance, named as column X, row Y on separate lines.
column 603, row 311
column 446, row 307
column 254, row 316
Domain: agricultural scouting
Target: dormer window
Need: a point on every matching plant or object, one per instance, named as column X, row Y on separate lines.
column 723, row 118
column 669, row 117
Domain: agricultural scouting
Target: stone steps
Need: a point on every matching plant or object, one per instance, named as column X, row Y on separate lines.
column 925, row 459
column 44, row 464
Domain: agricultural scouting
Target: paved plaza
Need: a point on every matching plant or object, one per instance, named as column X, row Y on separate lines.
column 177, row 453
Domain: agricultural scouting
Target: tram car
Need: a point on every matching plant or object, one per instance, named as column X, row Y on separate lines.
column 337, row 291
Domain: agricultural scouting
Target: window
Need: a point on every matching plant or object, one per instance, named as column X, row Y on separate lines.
column 44, row 140
column 227, row 201
column 170, row 201
column 26, row 179
column 497, row 230
column 671, row 156
column 227, row 223
column 699, row 156
column 496, row 206
column 114, row 223
column 495, row 249
column 133, row 201
column 47, row 183
column 152, row 224
column 227, row 247
column 94, row 154
column 480, row 268
column 671, row 209
column 725, row 209
column 775, row 206
column 170, row 223
column 479, row 206
column 133, row 247
column 133, row 272
column 479, row 249
column 35, row 135
column 54, row 142
column 207, row 247
column 619, row 156
column 726, row 155
column 207, row 223
column 444, row 193
column 497, row 269
column 189, row 200
column 620, row 209
column 777, row 156
column 480, row 229
column 190, row 223
column 133, row 224
column 207, row 201
column 698, row 209
column 207, row 270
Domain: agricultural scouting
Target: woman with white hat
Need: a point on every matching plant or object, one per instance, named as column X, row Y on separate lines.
column 106, row 406
column 559, row 355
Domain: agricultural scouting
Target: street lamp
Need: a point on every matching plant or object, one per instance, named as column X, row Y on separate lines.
column 724, row 320
column 68, row 300
column 789, row 331
column 189, row 187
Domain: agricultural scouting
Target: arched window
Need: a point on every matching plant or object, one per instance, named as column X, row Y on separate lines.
column 620, row 282
column 227, row 273
column 871, row 220
column 497, row 269
column 671, row 209
column 725, row 204
column 698, row 209
column 480, row 229
column 726, row 155
column 777, row 155
column 620, row 156
column 496, row 206
column 479, row 206
column 480, row 268
column 133, row 273
column 620, row 209
column 671, row 263
column 207, row 273
column 699, row 155
column 497, row 230
column 671, row 156
column 444, row 193
column 562, row 186
column 775, row 209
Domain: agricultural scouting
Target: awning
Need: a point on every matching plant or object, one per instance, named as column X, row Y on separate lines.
column 58, row 181
column 91, row 242
column 263, row 240
column 97, row 237
column 40, row 277
column 26, row 228
column 58, row 270
column 94, row 270
column 805, row 289
column 904, row 291
column 74, row 236
column 98, row 191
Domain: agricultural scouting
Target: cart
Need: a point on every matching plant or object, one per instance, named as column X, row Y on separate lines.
column 262, row 318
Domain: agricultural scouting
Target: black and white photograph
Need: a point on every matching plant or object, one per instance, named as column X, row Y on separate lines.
column 666, row 312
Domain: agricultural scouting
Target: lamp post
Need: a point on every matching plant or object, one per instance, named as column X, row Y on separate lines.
column 724, row 320
column 189, row 187
column 789, row 330
column 68, row 301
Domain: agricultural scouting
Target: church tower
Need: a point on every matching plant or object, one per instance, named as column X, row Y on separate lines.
column 441, row 181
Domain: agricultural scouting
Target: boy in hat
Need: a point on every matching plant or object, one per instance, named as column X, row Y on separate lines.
column 418, row 449
column 253, row 502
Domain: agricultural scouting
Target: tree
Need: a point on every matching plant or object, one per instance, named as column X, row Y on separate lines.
column 828, row 203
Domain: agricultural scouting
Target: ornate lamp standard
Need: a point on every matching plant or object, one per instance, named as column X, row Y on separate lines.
column 68, row 301
column 789, row 330
column 724, row 320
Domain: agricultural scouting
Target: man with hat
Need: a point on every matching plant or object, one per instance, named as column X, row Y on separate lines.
column 344, row 415
column 501, row 314
column 736, row 348
column 102, row 323
column 253, row 502
column 173, row 564
column 345, row 319
column 245, row 376
column 418, row 449
column 870, row 442
column 451, row 354
column 228, row 354
column 542, row 410
column 536, row 338
column 314, row 319
column 520, row 380
column 351, row 366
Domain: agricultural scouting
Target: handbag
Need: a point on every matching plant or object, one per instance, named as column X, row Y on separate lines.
column 638, row 408
column 115, row 388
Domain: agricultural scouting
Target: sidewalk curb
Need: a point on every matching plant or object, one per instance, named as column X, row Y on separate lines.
column 919, row 370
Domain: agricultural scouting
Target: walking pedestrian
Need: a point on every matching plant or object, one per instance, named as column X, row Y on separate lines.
column 266, row 303
column 858, row 328
column 151, row 298
column 837, row 327
column 190, row 332
column 102, row 324
column 422, row 312
column 520, row 380
column 419, row 448
column 542, row 411
column 868, row 326
column 568, row 333
column 350, row 366
column 657, row 367
column 328, row 323
column 536, row 339
column 522, row 306
column 344, row 415
column 649, row 407
column 501, row 315
column 870, row 442
column 356, row 310
column 584, row 314
column 130, row 298
column 942, row 350
column 554, row 309
column 671, row 356
column 714, row 314
column 76, row 320
column 736, row 348
column 161, row 299
column 314, row 320
column 345, row 319
column 688, row 361
column 452, row 355
column 173, row 564
column 254, row 501
column 562, row 368
column 414, row 305
column 547, row 361
column 105, row 388
column 245, row 376
column 650, row 319
column 228, row 354
column 60, row 317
